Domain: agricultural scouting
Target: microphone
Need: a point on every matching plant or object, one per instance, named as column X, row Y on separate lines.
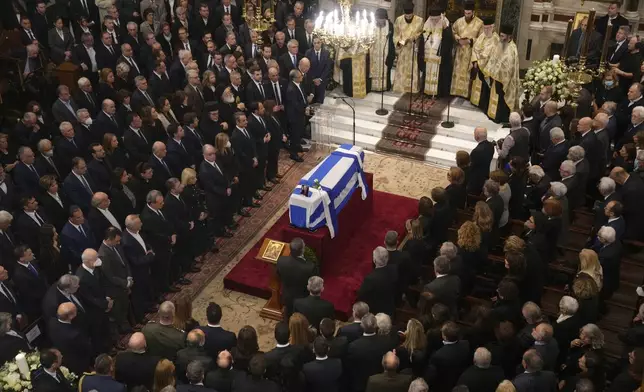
column 339, row 96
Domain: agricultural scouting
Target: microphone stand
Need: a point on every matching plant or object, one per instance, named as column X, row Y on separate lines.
column 382, row 111
column 411, row 84
column 448, row 123
column 353, row 108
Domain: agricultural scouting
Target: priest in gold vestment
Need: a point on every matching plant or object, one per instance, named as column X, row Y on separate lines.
column 407, row 30
column 437, row 54
column 503, row 75
column 483, row 47
column 382, row 53
column 466, row 29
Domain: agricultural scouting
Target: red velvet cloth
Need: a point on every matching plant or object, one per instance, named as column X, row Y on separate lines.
column 347, row 258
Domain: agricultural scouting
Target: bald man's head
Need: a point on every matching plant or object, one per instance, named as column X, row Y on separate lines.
column 224, row 360
column 195, row 338
column 100, row 200
column 66, row 311
column 480, row 134
column 390, row 362
column 619, row 175
column 137, row 342
column 584, row 125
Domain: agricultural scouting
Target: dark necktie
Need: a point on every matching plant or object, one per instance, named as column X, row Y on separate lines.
column 139, row 133
column 227, row 9
column 161, row 215
column 117, row 253
column 32, row 269
column 33, row 169
column 186, row 46
column 182, row 146
column 294, row 60
column 261, row 89
column 89, row 98
column 80, row 229
column 76, row 302
column 166, row 167
column 147, row 96
column 31, row 35
column 7, row 293
column 113, row 120
column 51, row 162
column 131, row 60
column 110, row 49
column 309, row 40
column 39, row 219
column 85, row 7
column 114, row 38
column 7, row 236
column 86, row 185
column 277, row 95
column 73, row 142
column 209, row 61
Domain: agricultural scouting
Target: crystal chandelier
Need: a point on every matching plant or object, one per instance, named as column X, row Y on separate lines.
column 337, row 29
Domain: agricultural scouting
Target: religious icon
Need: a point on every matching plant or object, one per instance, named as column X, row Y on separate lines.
column 273, row 250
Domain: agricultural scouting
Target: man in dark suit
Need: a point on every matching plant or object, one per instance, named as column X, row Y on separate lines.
column 162, row 171
column 137, row 142
column 64, row 291
column 569, row 177
column 106, row 52
column 577, row 39
column 587, row 139
column 320, row 68
column 140, row 256
column 26, row 176
column 282, row 350
column 227, row 14
column 217, row 338
column 142, row 96
column 619, row 50
column 448, row 362
column 118, row 277
column 314, row 307
column 41, row 22
column 546, row 345
column 195, row 373
column 28, row 222
column 494, row 201
column 11, row 342
column 445, row 288
column 290, row 60
column 609, row 250
column 255, row 91
column 337, row 344
column 258, row 129
column 99, row 169
column 323, row 374
column 64, row 108
column 551, row 119
column 159, row 81
column 135, row 366
column 72, row 342
column 69, row 146
column 30, row 283
column 101, row 379
column 390, row 380
column 203, row 22
column 379, row 287
column 194, row 351
column 48, row 377
column 86, row 98
column 106, row 121
column 48, row 162
column 100, row 217
column 631, row 191
column 127, row 57
column 294, row 272
column 222, row 378
column 534, row 378
column 296, row 103
column 178, row 155
column 354, row 330
column 8, row 198
column 482, row 376
column 615, row 18
column 75, row 237
column 84, row 55
column 480, row 159
column 162, row 237
column 364, row 355
column 245, row 149
column 556, row 153
column 635, row 119
column 97, row 303
column 78, row 185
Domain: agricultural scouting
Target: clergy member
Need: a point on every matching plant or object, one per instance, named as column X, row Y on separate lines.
column 437, row 51
column 407, row 31
column 503, row 71
column 382, row 53
column 483, row 47
column 466, row 29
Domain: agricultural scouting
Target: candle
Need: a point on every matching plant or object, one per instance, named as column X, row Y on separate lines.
column 555, row 59
column 588, row 32
column 23, row 367
column 567, row 39
column 609, row 30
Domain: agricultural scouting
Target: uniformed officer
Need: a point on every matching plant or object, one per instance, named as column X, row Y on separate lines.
column 163, row 339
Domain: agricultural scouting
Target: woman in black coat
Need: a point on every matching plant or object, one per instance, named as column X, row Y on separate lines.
column 591, row 340
column 608, row 90
column 592, row 367
column 123, row 197
column 412, row 353
column 115, row 155
column 141, row 182
column 456, row 193
column 153, row 125
column 469, row 250
column 518, row 181
column 49, row 257
column 106, row 87
column 544, row 228
column 225, row 157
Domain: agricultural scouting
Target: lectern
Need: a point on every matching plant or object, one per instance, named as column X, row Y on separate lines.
column 269, row 252
column 68, row 73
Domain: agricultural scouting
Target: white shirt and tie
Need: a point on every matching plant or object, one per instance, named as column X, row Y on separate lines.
column 139, row 134
column 56, row 197
column 301, row 92
column 92, row 57
column 110, row 217
column 35, row 217
column 30, row 34
column 133, row 64
column 139, row 239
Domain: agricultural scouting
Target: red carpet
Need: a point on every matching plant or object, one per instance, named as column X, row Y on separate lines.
column 345, row 266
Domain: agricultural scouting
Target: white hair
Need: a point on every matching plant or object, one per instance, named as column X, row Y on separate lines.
column 482, row 358
column 568, row 305
column 515, row 120
column 568, row 166
column 292, row 43
column 79, row 111
column 315, row 285
column 536, row 170
column 418, row 385
column 5, row 217
column 558, row 189
column 607, row 234
column 606, row 186
column 557, row 134
column 184, row 53
column 576, row 153
column 448, row 249
column 380, row 256
column 122, row 68
column 383, row 321
column 638, row 111
column 82, row 81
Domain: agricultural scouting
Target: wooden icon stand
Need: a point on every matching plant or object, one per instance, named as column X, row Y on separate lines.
column 273, row 308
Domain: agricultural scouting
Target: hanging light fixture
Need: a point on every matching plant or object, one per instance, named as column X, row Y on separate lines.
column 338, row 29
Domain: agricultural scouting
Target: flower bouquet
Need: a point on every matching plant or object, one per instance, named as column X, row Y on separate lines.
column 15, row 375
column 547, row 73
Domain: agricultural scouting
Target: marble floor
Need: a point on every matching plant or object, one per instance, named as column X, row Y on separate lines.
column 391, row 174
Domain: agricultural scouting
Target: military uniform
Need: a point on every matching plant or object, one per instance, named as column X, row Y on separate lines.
column 163, row 340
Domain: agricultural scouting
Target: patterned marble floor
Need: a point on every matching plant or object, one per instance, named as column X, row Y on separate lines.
column 391, row 174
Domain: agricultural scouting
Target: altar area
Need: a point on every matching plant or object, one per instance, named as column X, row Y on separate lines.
column 418, row 135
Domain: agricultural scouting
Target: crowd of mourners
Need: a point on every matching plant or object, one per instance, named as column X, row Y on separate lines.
column 116, row 190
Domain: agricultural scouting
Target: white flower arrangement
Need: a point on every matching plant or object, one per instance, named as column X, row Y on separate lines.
column 547, row 73
column 12, row 381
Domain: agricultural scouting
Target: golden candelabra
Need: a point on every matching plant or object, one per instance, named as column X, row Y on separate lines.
column 338, row 29
column 256, row 19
